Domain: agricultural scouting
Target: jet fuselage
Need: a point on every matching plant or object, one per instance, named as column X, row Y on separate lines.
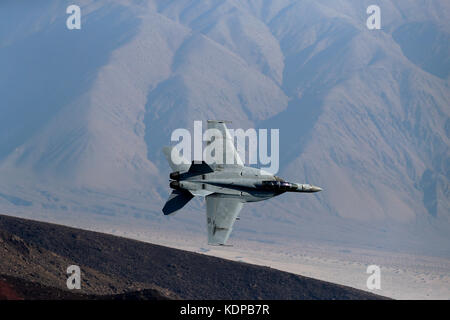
column 247, row 183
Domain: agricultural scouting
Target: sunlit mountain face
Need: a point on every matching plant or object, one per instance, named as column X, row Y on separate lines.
column 362, row 113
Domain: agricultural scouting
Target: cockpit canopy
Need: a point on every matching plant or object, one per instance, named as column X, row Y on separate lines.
column 279, row 185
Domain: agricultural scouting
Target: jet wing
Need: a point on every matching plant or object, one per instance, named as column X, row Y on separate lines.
column 221, row 213
column 231, row 156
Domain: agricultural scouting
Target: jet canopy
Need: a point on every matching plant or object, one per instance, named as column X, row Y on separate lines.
column 279, row 185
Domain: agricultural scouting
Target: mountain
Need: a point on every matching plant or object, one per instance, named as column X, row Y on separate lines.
column 37, row 255
column 362, row 113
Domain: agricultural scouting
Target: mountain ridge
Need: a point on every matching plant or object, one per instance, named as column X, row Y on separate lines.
column 85, row 113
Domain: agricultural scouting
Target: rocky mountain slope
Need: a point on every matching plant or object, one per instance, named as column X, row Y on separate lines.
column 362, row 113
column 35, row 255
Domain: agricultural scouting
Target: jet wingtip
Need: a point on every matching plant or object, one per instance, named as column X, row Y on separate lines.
column 216, row 244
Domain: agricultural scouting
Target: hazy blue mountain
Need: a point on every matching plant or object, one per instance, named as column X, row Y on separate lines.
column 365, row 114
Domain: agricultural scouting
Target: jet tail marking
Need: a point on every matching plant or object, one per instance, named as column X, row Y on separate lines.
column 200, row 167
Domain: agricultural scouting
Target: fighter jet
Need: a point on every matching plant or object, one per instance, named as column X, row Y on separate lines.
column 226, row 187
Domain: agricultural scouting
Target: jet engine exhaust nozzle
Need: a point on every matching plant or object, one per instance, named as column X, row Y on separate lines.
column 174, row 184
column 175, row 175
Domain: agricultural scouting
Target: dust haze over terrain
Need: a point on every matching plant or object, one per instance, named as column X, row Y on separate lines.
column 362, row 113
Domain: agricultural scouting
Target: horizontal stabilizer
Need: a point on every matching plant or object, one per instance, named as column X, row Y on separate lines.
column 176, row 201
column 200, row 167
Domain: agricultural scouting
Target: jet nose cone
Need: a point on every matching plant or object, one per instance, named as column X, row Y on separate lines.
column 307, row 188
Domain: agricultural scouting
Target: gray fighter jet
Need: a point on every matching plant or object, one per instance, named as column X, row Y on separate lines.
column 225, row 187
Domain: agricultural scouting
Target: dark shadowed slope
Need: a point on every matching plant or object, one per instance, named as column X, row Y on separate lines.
column 40, row 252
column 13, row 288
